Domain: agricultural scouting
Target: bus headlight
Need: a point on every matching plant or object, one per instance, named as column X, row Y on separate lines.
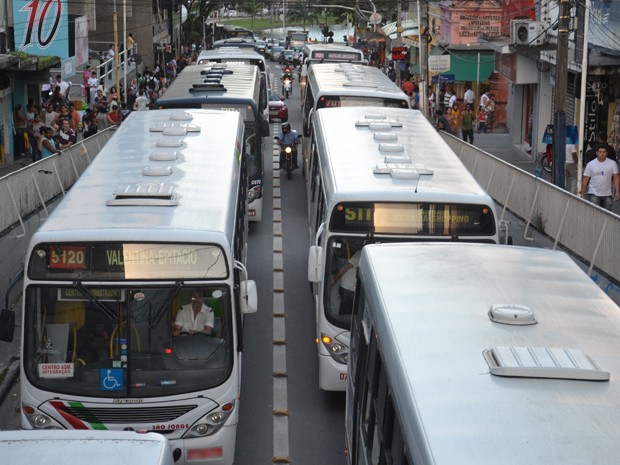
column 212, row 422
column 253, row 193
column 338, row 351
column 39, row 420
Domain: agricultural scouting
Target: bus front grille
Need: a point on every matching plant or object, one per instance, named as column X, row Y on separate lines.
column 128, row 415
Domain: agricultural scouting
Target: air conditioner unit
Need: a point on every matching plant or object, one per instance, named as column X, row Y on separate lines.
column 527, row 32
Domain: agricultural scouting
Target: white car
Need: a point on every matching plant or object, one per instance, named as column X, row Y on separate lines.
column 231, row 13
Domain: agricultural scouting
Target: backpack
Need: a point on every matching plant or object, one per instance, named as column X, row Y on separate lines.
column 151, row 83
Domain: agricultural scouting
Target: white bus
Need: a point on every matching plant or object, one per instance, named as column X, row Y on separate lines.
column 325, row 53
column 235, row 55
column 481, row 354
column 157, row 223
column 84, row 447
column 378, row 175
column 229, row 87
column 332, row 85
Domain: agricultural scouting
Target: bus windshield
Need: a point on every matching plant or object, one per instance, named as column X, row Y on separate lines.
column 119, row 341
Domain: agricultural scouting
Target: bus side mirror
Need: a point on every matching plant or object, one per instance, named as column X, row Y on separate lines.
column 249, row 297
column 7, row 325
column 315, row 267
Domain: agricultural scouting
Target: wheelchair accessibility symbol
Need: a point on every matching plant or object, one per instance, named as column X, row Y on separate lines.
column 111, row 379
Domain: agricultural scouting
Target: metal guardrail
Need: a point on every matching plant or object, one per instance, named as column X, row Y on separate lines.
column 30, row 188
column 588, row 231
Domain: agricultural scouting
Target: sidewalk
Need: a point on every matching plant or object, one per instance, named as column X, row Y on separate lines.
column 500, row 145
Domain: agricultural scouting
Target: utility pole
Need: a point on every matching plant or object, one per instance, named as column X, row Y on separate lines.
column 423, row 41
column 561, row 74
column 399, row 29
column 116, row 68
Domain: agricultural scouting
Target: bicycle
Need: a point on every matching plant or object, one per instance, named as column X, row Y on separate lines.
column 546, row 159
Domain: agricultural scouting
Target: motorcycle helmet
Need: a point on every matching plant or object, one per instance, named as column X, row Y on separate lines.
column 286, row 128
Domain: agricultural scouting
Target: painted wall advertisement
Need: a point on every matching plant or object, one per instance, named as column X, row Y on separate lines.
column 42, row 27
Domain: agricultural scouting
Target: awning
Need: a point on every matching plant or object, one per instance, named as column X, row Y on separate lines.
column 464, row 66
column 370, row 36
column 409, row 27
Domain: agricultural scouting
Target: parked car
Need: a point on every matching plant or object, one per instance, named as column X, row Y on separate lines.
column 286, row 56
column 276, row 51
column 277, row 108
column 231, row 13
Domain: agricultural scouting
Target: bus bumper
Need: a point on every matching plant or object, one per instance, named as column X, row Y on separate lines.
column 255, row 210
column 218, row 449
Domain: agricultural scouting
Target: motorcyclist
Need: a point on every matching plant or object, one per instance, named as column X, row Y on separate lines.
column 287, row 76
column 288, row 137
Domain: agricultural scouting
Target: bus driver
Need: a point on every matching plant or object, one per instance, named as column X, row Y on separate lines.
column 195, row 317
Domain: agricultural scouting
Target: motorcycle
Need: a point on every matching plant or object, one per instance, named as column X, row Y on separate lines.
column 287, row 85
column 288, row 155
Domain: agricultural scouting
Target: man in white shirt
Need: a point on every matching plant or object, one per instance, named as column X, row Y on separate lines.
column 598, row 177
column 469, row 97
column 64, row 86
column 484, row 100
column 142, row 102
column 194, row 318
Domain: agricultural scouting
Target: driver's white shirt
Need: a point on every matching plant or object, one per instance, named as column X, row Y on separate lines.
column 188, row 322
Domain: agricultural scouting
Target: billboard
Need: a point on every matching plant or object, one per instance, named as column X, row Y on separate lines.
column 42, row 27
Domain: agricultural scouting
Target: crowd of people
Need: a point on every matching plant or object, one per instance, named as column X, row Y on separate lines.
column 54, row 123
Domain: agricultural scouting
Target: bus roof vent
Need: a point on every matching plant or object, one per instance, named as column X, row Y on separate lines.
column 156, row 171
column 205, row 87
column 391, row 148
column 385, row 136
column 397, row 159
column 510, row 314
column 169, row 142
column 401, row 168
column 144, row 194
column 161, row 127
column 543, row 362
column 174, row 131
column 164, row 156
column 181, row 116
column 378, row 125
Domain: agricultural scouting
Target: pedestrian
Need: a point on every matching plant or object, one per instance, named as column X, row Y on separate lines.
column 48, row 145
column 63, row 86
column 93, row 83
column 86, row 85
column 49, row 116
column 447, row 95
column 36, row 133
column 114, row 117
column 101, row 117
column 598, row 177
column 469, row 97
column 21, row 125
column 570, row 165
column 442, row 122
column 142, row 102
column 484, row 98
column 601, row 139
column 130, row 44
column 467, row 123
column 66, row 136
column 90, row 125
column 454, row 117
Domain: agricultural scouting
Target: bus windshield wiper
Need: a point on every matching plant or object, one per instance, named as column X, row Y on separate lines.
column 161, row 311
column 96, row 302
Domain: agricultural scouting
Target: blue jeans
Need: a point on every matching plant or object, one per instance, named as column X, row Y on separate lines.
column 604, row 202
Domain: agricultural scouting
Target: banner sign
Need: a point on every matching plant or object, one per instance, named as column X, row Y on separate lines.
column 42, row 27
